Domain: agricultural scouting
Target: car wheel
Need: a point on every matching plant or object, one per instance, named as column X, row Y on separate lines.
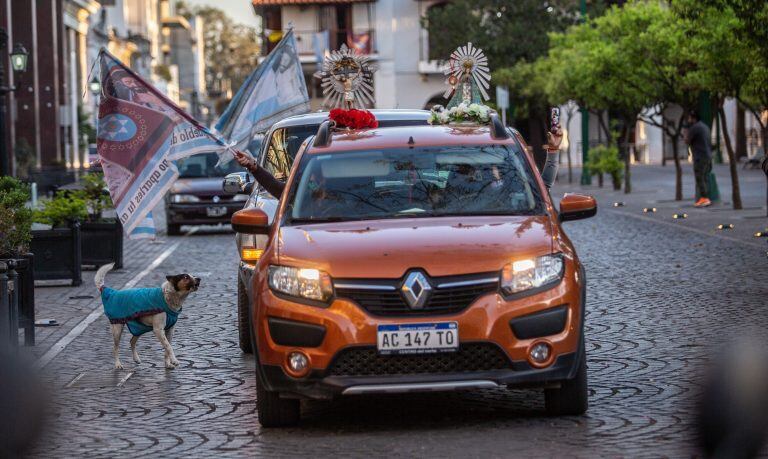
column 243, row 319
column 173, row 229
column 571, row 397
column 275, row 411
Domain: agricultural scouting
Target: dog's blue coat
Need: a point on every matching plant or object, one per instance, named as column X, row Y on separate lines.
column 127, row 306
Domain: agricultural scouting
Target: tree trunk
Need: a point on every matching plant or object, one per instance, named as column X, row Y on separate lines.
column 732, row 165
column 600, row 179
column 741, row 132
column 678, row 170
column 627, row 159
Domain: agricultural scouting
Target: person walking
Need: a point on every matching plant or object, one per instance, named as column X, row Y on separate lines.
column 698, row 138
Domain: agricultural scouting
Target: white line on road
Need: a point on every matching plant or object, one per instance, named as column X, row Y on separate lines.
column 688, row 228
column 96, row 313
column 74, row 380
column 125, row 378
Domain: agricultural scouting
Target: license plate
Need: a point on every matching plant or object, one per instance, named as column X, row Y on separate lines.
column 426, row 338
column 216, row 211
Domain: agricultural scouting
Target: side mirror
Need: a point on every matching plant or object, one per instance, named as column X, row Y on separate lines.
column 237, row 183
column 577, row 206
column 250, row 221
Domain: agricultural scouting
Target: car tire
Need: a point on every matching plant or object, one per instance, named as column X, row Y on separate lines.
column 274, row 411
column 572, row 397
column 243, row 319
column 173, row 229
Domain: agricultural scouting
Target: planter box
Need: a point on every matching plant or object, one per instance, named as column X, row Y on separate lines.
column 25, row 268
column 9, row 311
column 58, row 254
column 102, row 243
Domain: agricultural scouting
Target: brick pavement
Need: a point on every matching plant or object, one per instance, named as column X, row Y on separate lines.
column 660, row 301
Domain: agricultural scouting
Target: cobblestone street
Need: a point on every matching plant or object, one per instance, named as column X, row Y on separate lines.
column 661, row 300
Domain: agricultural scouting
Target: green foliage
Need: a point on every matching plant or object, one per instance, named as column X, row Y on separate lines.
column 231, row 49
column 164, row 72
column 62, row 209
column 94, row 194
column 507, row 31
column 25, row 157
column 15, row 217
column 84, row 126
column 605, row 160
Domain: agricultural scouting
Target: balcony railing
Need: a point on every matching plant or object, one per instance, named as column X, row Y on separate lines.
column 362, row 40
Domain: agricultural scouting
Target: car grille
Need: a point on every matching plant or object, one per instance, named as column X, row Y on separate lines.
column 448, row 300
column 471, row 357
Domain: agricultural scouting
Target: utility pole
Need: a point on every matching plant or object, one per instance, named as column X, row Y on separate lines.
column 586, row 177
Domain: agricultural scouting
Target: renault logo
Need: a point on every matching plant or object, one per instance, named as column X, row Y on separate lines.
column 416, row 290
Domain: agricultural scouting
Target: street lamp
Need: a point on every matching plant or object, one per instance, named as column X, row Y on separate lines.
column 94, row 85
column 19, row 64
column 19, row 58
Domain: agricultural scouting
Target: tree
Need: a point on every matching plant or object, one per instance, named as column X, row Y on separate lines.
column 507, row 31
column 592, row 64
column 724, row 64
column 231, row 50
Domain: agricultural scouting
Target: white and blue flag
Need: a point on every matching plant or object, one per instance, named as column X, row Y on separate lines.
column 275, row 90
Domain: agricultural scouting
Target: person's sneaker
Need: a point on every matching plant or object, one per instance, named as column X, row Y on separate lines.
column 703, row 202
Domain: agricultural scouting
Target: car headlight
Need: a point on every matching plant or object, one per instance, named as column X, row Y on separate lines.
column 311, row 284
column 240, row 197
column 530, row 273
column 184, row 198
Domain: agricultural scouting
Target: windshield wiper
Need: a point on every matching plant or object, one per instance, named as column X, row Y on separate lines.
column 321, row 220
column 510, row 213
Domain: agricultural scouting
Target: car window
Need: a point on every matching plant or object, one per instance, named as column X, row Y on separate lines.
column 282, row 148
column 204, row 166
column 412, row 183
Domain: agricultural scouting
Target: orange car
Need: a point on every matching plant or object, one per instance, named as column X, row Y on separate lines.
column 406, row 259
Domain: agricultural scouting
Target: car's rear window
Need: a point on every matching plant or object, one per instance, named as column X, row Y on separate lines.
column 412, row 183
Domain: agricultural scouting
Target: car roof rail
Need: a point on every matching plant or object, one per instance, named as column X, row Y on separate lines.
column 498, row 131
column 323, row 136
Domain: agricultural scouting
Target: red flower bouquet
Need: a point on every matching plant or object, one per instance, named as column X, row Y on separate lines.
column 353, row 118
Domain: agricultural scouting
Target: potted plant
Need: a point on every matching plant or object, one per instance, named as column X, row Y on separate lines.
column 57, row 248
column 102, row 237
column 15, row 235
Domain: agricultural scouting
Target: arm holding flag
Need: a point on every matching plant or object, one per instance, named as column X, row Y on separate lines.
column 273, row 186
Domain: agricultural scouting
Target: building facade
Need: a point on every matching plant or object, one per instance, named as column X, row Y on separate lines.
column 389, row 31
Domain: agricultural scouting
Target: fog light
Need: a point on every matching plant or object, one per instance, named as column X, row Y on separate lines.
column 298, row 362
column 539, row 353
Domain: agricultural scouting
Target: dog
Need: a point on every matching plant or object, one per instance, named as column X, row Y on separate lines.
column 145, row 309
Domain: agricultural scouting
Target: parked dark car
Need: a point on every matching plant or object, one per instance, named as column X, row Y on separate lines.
column 197, row 198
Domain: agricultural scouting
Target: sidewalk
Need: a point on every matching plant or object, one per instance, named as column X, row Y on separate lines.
column 654, row 187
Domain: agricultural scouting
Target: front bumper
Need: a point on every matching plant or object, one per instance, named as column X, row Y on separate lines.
column 317, row 386
column 197, row 213
column 490, row 320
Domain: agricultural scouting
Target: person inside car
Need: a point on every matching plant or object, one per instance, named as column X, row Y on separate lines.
column 275, row 187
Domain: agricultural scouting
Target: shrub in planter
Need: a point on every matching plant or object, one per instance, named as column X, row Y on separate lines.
column 605, row 160
column 102, row 238
column 15, row 236
column 58, row 250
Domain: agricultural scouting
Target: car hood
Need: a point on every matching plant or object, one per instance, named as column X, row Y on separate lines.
column 388, row 248
column 203, row 186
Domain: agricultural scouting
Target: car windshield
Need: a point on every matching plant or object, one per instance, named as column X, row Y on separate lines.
column 284, row 144
column 412, row 183
column 204, row 165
